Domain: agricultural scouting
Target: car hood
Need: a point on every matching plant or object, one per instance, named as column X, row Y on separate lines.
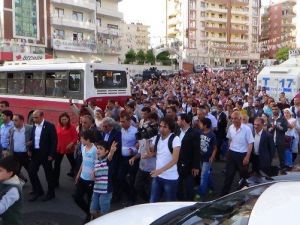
column 139, row 214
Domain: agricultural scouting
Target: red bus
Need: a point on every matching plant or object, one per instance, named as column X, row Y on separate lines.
column 49, row 84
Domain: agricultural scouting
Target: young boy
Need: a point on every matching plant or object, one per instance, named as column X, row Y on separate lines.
column 10, row 192
column 85, row 179
column 103, row 184
column 208, row 148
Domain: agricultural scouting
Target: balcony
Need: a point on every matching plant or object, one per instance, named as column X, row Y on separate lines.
column 216, row 9
column 217, row 39
column 77, row 4
column 74, row 46
column 239, row 3
column 108, row 31
column 240, row 12
column 238, row 40
column 69, row 22
column 109, row 12
column 218, row 1
column 216, row 19
column 238, row 21
column 108, row 49
column 215, row 29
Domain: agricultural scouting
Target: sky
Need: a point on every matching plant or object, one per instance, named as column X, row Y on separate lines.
column 152, row 13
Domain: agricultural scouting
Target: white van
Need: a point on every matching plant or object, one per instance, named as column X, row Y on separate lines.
column 281, row 78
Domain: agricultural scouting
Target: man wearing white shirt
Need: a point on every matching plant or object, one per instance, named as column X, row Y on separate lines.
column 165, row 176
column 241, row 143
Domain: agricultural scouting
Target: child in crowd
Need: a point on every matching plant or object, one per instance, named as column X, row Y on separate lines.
column 102, row 193
column 85, row 179
column 208, row 148
column 10, row 192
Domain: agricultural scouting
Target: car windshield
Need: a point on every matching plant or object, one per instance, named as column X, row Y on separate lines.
column 233, row 209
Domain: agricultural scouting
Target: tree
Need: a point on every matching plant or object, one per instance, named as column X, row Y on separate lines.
column 282, row 54
column 164, row 58
column 150, row 58
column 140, row 57
column 130, row 57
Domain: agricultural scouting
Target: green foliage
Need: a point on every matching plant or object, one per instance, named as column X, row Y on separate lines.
column 150, row 58
column 140, row 57
column 164, row 58
column 130, row 57
column 282, row 54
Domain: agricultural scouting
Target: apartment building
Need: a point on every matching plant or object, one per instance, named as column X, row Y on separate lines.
column 24, row 30
column 218, row 32
column 134, row 36
column 278, row 28
column 86, row 30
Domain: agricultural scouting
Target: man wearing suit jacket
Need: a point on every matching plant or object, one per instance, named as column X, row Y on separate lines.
column 189, row 158
column 221, row 129
column 263, row 148
column 111, row 134
column 44, row 143
column 277, row 127
column 254, row 111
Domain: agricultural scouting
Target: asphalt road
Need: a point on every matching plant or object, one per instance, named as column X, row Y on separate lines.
column 63, row 211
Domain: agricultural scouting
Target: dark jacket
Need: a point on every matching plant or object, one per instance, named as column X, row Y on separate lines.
column 48, row 140
column 253, row 113
column 281, row 128
column 115, row 135
column 222, row 125
column 266, row 151
column 28, row 138
column 189, row 156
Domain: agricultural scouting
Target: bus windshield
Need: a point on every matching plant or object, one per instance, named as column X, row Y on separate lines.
column 105, row 79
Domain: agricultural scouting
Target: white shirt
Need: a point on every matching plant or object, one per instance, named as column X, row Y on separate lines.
column 37, row 136
column 240, row 139
column 182, row 134
column 164, row 156
column 129, row 141
column 257, row 141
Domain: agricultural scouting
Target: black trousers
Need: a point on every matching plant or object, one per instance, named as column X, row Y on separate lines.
column 58, row 159
column 23, row 159
column 255, row 163
column 186, row 187
column 83, row 194
column 234, row 163
column 280, row 151
column 39, row 158
column 142, row 184
column 126, row 178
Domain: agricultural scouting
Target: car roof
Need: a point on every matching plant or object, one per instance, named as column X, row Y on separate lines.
column 278, row 204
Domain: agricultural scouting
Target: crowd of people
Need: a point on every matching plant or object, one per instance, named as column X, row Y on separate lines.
column 160, row 145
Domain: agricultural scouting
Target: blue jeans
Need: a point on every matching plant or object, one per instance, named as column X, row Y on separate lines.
column 206, row 179
column 100, row 203
column 167, row 188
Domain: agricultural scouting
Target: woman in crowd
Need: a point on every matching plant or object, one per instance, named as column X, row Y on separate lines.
column 67, row 139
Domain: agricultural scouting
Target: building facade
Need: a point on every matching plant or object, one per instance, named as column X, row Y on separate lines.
column 86, row 30
column 217, row 32
column 134, row 36
column 278, row 28
column 24, row 30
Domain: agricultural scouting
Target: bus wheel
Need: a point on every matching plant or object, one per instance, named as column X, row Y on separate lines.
column 29, row 118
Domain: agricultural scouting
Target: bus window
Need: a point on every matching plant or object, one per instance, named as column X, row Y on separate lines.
column 3, row 83
column 74, row 80
column 56, row 84
column 34, row 83
column 104, row 79
column 15, row 83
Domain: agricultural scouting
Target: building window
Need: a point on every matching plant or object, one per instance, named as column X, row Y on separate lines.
column 3, row 82
column 78, row 16
column 98, row 22
column 59, row 34
column 26, row 21
column 56, row 83
column 77, row 36
column 59, row 12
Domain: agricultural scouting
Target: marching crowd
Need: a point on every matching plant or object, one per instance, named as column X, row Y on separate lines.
column 157, row 147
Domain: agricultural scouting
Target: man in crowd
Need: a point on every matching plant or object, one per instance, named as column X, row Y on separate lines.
column 4, row 105
column 44, row 143
column 6, row 116
column 240, row 147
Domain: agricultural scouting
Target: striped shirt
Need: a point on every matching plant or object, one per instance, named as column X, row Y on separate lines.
column 102, row 172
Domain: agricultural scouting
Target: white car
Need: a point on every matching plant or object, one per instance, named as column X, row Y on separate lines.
column 275, row 203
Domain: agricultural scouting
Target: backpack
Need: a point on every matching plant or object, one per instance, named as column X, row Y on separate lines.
column 170, row 142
